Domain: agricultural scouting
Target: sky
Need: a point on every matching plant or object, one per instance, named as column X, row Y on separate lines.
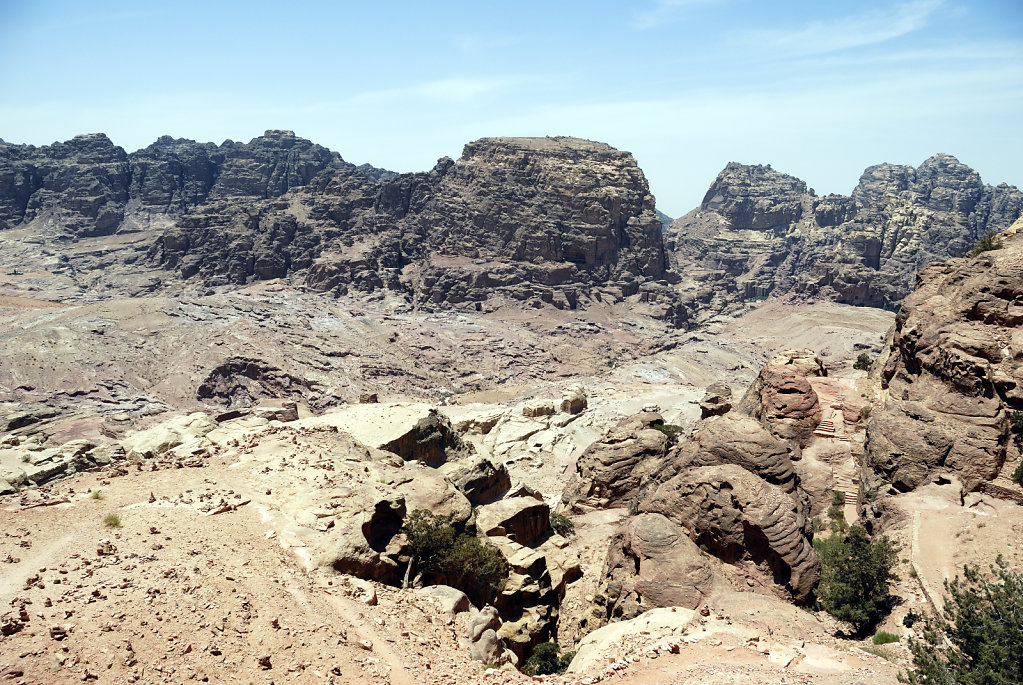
column 819, row 90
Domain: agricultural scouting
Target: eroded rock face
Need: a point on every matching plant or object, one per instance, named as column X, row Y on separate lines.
column 740, row 440
column 760, row 232
column 610, row 471
column 953, row 372
column 738, row 515
column 782, row 398
column 544, row 221
column 652, row 562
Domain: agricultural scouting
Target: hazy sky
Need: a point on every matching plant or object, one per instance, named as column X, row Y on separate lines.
column 817, row 89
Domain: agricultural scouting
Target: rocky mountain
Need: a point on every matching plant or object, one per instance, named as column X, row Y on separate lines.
column 761, row 232
column 534, row 220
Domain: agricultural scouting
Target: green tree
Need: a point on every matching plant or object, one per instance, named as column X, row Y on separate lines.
column 978, row 640
column 863, row 362
column 452, row 558
column 856, row 576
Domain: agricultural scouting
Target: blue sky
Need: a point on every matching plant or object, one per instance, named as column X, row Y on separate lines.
column 817, row 89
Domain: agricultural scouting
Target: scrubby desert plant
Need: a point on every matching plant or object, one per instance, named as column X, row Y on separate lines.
column 988, row 241
column 977, row 638
column 883, row 637
column 112, row 521
column 669, row 429
column 562, row 525
column 96, row 494
column 863, row 362
column 546, row 660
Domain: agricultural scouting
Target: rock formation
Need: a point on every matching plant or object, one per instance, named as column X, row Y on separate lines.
column 740, row 516
column 953, row 372
column 560, row 221
column 760, row 232
column 610, row 471
column 782, row 398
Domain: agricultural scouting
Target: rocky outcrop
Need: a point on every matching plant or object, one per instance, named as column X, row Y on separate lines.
column 782, row 398
column 652, row 562
column 716, row 401
column 760, row 232
column 740, row 440
column 953, row 372
column 610, row 471
column 546, row 215
column 739, row 516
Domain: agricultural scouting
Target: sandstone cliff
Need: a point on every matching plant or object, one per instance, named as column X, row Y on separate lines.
column 760, row 232
column 953, row 372
column 560, row 221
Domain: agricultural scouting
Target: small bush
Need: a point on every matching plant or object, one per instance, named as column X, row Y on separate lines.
column 1017, row 475
column 562, row 525
column 545, row 660
column 669, row 429
column 837, row 498
column 988, row 241
column 816, row 524
column 883, row 638
column 96, row 494
column 863, row 362
column 910, row 619
column 112, row 521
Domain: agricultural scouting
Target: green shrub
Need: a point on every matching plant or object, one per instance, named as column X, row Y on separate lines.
column 453, row 558
column 988, row 241
column 910, row 619
column 837, row 498
column 977, row 638
column 669, row 429
column 863, row 362
column 96, row 494
column 545, row 660
column 1017, row 475
column 562, row 525
column 112, row 521
column 856, row 575
column 883, row 638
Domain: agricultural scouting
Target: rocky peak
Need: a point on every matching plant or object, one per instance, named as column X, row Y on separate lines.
column 863, row 249
column 755, row 197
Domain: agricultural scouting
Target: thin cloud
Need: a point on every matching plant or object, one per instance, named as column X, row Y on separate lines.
column 819, row 37
column 455, row 90
column 663, row 11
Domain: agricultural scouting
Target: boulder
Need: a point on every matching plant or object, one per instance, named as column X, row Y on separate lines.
column 609, row 472
column 161, row 438
column 716, row 401
column 574, row 401
column 652, row 562
column 741, row 440
column 536, row 408
column 738, row 516
column 367, row 548
column 522, row 519
column 451, row 600
column 782, row 398
column 479, row 479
